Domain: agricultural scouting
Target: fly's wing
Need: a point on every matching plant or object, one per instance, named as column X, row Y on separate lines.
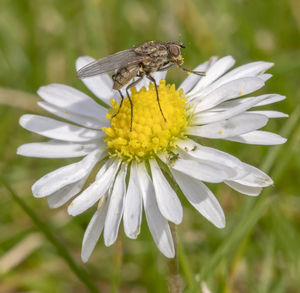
column 110, row 63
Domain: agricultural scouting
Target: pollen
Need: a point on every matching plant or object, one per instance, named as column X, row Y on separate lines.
column 150, row 134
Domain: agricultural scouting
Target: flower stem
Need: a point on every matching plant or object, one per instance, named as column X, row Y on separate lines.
column 46, row 230
column 117, row 264
column 174, row 279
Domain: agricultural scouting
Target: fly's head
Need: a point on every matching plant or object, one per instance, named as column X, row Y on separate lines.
column 174, row 50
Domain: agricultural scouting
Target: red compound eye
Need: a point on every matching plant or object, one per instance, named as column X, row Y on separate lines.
column 174, row 50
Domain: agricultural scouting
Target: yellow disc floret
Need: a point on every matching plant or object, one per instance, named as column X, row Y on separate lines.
column 150, row 133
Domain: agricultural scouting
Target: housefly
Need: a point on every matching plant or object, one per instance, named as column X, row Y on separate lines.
column 139, row 61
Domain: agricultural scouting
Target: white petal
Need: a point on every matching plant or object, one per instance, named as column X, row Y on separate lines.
column 270, row 114
column 60, row 197
column 273, row 98
column 58, row 130
column 100, row 85
column 265, row 76
column 227, row 91
column 248, row 190
column 204, row 171
column 72, row 100
column 159, row 75
column 255, row 178
column 76, row 118
column 215, row 156
column 66, row 175
column 259, row 137
column 143, row 83
column 95, row 191
column 201, row 198
column 207, row 117
column 192, row 79
column 236, row 125
column 132, row 206
column 264, row 100
column 213, row 73
column 115, row 208
column 167, row 200
column 158, row 225
column 57, row 149
column 93, row 232
column 248, row 70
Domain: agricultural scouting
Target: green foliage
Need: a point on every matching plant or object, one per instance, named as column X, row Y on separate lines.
column 258, row 251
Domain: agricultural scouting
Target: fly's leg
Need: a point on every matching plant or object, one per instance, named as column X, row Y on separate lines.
column 166, row 67
column 201, row 73
column 134, row 83
column 122, row 99
column 153, row 80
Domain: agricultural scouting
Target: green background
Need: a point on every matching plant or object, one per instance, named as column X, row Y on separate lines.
column 259, row 249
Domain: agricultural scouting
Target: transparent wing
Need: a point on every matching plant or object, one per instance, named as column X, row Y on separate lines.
column 110, row 63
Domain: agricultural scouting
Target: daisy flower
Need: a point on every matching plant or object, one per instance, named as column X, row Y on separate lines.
column 132, row 164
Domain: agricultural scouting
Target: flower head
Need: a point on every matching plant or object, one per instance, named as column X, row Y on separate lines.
column 130, row 178
column 150, row 133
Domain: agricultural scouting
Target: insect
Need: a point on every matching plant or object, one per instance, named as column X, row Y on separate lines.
column 139, row 61
column 172, row 158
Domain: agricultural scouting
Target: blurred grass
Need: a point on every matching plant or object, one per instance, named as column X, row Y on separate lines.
column 39, row 43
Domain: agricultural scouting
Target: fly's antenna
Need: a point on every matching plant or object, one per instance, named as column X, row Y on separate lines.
column 181, row 45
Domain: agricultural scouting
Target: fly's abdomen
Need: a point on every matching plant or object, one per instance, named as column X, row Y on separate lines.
column 123, row 76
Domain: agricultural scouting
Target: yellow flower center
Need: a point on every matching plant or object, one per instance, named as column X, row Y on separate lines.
column 150, row 134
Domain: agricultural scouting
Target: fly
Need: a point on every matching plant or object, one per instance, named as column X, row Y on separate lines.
column 139, row 61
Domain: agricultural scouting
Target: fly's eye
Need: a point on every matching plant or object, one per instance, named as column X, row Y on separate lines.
column 174, row 50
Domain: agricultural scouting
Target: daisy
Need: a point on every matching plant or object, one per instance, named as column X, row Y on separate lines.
column 132, row 164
